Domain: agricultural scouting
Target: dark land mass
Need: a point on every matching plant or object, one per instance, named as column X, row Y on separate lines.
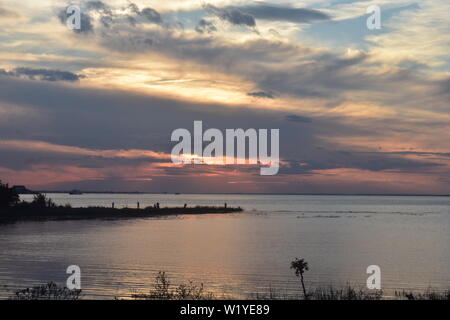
column 26, row 213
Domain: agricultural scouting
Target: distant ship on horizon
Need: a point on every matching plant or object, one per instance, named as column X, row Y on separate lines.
column 75, row 192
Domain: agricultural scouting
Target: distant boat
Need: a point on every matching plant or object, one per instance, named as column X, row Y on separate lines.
column 75, row 192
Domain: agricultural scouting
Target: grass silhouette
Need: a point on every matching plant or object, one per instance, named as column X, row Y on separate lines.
column 164, row 290
column 50, row 291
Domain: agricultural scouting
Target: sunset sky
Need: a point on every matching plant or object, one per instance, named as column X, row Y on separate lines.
column 359, row 110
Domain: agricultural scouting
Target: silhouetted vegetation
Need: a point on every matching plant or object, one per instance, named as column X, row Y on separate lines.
column 300, row 266
column 164, row 290
column 41, row 201
column 50, row 291
column 344, row 293
column 8, row 196
column 427, row 295
column 321, row 293
column 49, row 211
column 330, row 293
column 43, row 208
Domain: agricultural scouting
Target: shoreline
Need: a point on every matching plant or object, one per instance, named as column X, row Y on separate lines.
column 163, row 289
column 13, row 214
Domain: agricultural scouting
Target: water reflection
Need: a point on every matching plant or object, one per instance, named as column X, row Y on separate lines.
column 237, row 255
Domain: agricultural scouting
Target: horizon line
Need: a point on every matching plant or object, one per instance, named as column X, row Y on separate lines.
column 246, row 193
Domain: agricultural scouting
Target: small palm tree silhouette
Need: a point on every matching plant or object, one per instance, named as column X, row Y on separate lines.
column 300, row 266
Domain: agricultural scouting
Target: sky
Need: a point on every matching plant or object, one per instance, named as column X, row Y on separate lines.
column 359, row 111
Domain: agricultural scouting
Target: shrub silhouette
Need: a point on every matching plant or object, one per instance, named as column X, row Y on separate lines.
column 427, row 295
column 300, row 266
column 41, row 201
column 50, row 291
column 164, row 290
column 8, row 196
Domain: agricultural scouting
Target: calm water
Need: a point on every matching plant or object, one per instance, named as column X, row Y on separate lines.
column 236, row 255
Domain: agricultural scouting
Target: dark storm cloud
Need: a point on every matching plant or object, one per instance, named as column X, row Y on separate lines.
column 205, row 26
column 284, row 13
column 107, row 17
column 151, row 15
column 261, row 94
column 231, row 15
column 146, row 15
column 246, row 15
column 42, row 74
column 97, row 5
